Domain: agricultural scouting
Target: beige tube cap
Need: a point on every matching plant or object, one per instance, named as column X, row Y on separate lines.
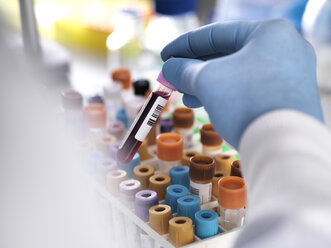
column 104, row 142
column 181, row 231
column 159, row 216
column 236, row 169
column 232, row 192
column 159, row 184
column 169, row 147
column 187, row 155
column 223, row 163
column 113, row 180
column 143, row 151
column 217, row 176
column 142, row 173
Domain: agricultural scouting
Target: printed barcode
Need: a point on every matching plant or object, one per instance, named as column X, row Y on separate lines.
column 155, row 115
column 194, row 191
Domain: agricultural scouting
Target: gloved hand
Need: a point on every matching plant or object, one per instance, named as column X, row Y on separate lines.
column 241, row 70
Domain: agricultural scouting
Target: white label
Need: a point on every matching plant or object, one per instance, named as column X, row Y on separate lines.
column 151, row 118
column 187, row 135
column 203, row 191
column 135, row 121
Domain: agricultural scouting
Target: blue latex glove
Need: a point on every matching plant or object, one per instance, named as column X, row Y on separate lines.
column 241, row 70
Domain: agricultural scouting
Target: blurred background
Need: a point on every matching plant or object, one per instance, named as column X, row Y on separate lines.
column 49, row 45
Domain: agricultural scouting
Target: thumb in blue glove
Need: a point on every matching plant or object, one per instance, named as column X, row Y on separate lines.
column 241, row 70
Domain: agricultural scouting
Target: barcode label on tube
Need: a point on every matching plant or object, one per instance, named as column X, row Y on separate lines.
column 151, row 118
column 203, row 191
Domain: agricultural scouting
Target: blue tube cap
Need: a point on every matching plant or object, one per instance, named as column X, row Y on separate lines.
column 180, row 175
column 187, row 206
column 174, row 192
column 130, row 166
column 121, row 116
column 206, row 223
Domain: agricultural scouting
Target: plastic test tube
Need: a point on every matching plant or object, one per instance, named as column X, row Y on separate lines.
column 183, row 120
column 104, row 142
column 217, row 176
column 201, row 174
column 169, row 150
column 145, row 199
column 159, row 184
column 132, row 107
column 211, row 142
column 112, row 94
column 187, row 155
column 106, row 165
column 113, row 180
column 174, row 192
column 223, row 163
column 117, row 129
column 72, row 104
column 95, row 120
column 144, row 121
column 232, row 200
column 142, row 173
column 187, row 206
column 181, row 231
column 180, row 175
column 128, row 190
column 159, row 216
column 206, row 223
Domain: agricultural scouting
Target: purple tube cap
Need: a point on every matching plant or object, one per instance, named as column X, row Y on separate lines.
column 164, row 82
column 146, row 198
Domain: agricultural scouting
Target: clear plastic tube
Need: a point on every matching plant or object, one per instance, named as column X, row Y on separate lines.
column 143, row 123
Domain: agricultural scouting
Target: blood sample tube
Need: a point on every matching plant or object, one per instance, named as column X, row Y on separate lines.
column 144, row 121
column 235, row 169
column 187, row 155
column 169, row 150
column 232, row 200
column 142, row 173
column 211, row 142
column 201, row 173
column 223, row 163
column 132, row 107
column 183, row 120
